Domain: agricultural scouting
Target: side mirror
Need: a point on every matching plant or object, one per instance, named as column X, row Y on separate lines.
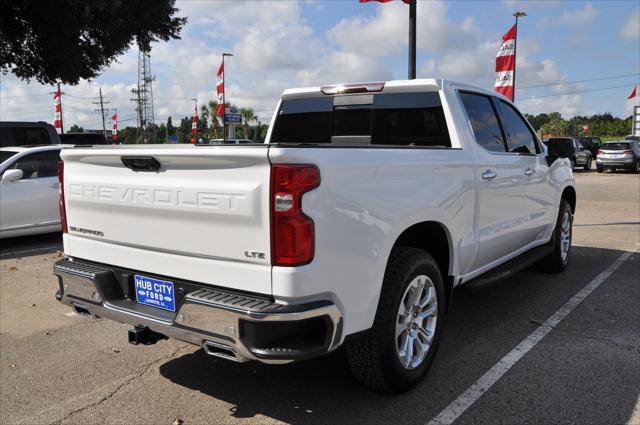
column 11, row 175
column 581, row 148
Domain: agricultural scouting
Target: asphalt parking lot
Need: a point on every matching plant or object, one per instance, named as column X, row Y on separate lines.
column 58, row 367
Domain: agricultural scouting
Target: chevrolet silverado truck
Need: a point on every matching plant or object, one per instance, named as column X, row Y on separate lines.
column 367, row 205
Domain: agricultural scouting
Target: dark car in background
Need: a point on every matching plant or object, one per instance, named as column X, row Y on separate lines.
column 591, row 143
column 618, row 155
column 83, row 139
column 20, row 133
column 571, row 148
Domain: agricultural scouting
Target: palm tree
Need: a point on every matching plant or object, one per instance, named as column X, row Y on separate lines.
column 213, row 109
column 247, row 116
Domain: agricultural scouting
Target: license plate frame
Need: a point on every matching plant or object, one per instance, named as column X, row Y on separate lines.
column 154, row 292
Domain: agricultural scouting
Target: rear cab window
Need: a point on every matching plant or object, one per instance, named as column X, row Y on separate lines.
column 386, row 119
column 23, row 136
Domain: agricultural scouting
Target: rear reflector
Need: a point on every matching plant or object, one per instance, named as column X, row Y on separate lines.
column 63, row 210
column 353, row 88
column 292, row 237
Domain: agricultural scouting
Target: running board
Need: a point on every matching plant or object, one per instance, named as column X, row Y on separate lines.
column 511, row 267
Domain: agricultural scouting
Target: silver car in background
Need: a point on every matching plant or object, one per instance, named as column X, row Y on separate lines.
column 619, row 154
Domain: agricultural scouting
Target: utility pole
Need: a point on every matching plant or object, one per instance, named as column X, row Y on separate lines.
column 101, row 110
column 412, row 39
column 515, row 46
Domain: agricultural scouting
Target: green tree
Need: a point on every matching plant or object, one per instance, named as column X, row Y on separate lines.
column 76, row 129
column 247, row 116
column 171, row 130
column 66, row 40
column 215, row 124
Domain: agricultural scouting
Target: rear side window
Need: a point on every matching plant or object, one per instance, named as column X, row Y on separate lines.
column 38, row 165
column 520, row 139
column 21, row 136
column 402, row 119
column 484, row 122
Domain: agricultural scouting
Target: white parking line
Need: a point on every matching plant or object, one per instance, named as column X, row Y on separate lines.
column 486, row 381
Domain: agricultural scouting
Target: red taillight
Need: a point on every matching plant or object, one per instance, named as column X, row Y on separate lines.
column 292, row 238
column 63, row 211
column 628, row 152
column 599, row 152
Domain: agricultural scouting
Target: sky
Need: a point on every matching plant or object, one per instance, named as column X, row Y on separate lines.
column 284, row 44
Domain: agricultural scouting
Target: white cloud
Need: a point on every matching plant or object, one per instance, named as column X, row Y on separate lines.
column 385, row 32
column 631, row 28
column 568, row 105
column 582, row 16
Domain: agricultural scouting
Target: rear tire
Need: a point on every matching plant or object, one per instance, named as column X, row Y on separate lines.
column 558, row 260
column 396, row 353
column 599, row 169
column 637, row 169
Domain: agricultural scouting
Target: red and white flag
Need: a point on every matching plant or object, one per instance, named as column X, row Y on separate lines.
column 194, row 125
column 633, row 93
column 114, row 131
column 57, row 122
column 220, row 90
column 506, row 64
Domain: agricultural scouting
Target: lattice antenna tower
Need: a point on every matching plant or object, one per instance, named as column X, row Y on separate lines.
column 144, row 98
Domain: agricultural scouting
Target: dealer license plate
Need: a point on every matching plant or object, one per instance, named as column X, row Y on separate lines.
column 155, row 292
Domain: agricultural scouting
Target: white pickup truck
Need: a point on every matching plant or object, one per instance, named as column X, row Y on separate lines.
column 352, row 225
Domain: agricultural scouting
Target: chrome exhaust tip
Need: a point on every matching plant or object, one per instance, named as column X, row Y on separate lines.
column 223, row 351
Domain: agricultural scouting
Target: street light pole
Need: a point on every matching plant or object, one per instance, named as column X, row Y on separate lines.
column 412, row 39
column 224, row 92
column 515, row 46
column 193, row 135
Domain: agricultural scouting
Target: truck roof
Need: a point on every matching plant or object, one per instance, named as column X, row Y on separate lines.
column 397, row 86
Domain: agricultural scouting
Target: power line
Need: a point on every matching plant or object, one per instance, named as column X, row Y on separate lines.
column 575, row 92
column 613, row 77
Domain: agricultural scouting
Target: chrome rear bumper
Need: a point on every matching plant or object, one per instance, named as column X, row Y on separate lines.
column 229, row 325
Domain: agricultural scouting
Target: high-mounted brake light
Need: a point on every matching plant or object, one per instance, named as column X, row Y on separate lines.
column 63, row 210
column 353, row 88
column 292, row 236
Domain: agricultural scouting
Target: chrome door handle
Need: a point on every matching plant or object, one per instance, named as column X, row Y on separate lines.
column 529, row 171
column 489, row 175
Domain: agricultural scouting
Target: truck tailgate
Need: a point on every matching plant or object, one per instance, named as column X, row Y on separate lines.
column 202, row 216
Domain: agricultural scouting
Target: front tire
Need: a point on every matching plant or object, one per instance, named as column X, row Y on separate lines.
column 558, row 260
column 599, row 169
column 396, row 353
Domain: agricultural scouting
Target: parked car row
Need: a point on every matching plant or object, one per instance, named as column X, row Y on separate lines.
column 612, row 155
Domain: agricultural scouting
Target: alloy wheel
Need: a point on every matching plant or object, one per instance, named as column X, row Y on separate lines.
column 416, row 322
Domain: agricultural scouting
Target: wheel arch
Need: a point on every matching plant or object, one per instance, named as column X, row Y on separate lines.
column 434, row 238
column 569, row 193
